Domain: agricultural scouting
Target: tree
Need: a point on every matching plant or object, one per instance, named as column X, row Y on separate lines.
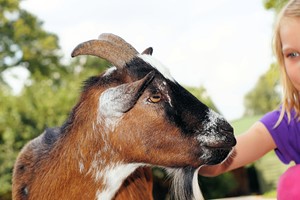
column 24, row 43
column 266, row 94
column 46, row 99
column 274, row 4
column 41, row 104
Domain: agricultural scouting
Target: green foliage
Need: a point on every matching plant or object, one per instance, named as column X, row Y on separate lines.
column 25, row 43
column 274, row 4
column 7, row 152
column 50, row 92
column 271, row 194
column 269, row 169
column 264, row 96
column 217, row 187
column 41, row 104
column 243, row 124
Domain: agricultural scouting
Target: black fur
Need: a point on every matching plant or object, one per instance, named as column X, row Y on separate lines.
column 51, row 135
column 187, row 110
column 24, row 192
column 187, row 183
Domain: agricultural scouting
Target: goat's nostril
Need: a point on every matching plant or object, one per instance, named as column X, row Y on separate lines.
column 225, row 129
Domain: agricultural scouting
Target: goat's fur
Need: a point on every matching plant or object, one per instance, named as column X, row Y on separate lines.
column 127, row 119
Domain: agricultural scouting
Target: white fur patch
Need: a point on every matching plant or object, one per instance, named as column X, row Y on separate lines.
column 113, row 177
column 81, row 166
column 162, row 87
column 109, row 71
column 157, row 65
column 196, row 189
column 213, row 117
column 177, row 187
column 210, row 126
column 107, row 114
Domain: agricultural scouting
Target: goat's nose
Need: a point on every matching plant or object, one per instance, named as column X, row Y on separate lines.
column 227, row 131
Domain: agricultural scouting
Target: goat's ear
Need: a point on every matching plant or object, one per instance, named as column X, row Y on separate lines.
column 148, row 51
column 122, row 98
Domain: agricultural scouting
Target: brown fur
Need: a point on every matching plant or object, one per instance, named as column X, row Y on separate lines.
column 139, row 185
column 136, row 186
column 100, row 150
column 39, row 172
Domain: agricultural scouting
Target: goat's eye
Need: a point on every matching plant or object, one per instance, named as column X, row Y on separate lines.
column 155, row 98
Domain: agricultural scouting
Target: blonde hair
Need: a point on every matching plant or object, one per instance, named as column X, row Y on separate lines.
column 290, row 94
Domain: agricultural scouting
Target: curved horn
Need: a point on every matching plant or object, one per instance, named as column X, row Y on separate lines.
column 110, row 51
column 118, row 41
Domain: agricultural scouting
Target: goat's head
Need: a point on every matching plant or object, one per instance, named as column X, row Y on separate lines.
column 147, row 115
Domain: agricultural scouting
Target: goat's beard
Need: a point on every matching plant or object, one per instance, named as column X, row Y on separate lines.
column 185, row 184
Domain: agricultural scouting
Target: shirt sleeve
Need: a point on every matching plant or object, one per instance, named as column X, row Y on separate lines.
column 280, row 135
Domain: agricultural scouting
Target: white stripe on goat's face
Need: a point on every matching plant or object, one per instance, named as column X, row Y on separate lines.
column 157, row 65
column 213, row 117
column 163, row 88
column 211, row 127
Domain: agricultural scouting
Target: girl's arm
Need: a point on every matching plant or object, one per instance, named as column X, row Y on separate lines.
column 251, row 146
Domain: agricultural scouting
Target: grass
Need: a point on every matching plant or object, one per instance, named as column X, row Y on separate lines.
column 270, row 194
column 243, row 124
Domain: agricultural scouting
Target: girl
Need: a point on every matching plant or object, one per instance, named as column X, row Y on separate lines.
column 278, row 130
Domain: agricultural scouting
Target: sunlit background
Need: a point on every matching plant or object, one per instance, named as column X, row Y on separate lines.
column 219, row 50
column 222, row 45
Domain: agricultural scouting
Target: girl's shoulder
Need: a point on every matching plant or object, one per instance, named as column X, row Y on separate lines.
column 286, row 135
column 270, row 119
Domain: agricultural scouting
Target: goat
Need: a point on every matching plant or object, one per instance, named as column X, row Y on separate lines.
column 132, row 116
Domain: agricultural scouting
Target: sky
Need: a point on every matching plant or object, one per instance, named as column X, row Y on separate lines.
column 222, row 45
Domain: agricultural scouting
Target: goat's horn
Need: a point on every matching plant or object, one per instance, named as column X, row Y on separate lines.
column 118, row 41
column 105, row 49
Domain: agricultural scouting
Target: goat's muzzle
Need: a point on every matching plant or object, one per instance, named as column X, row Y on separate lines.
column 217, row 145
column 229, row 140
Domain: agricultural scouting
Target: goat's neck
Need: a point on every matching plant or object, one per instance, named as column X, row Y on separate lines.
column 97, row 159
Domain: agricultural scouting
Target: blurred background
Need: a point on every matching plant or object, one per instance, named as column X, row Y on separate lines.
column 221, row 51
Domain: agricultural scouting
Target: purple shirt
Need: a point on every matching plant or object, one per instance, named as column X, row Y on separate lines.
column 286, row 136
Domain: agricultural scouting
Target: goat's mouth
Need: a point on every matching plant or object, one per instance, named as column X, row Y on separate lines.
column 214, row 155
column 215, row 151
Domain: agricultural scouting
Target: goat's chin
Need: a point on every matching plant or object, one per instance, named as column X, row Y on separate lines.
column 217, row 155
column 185, row 183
